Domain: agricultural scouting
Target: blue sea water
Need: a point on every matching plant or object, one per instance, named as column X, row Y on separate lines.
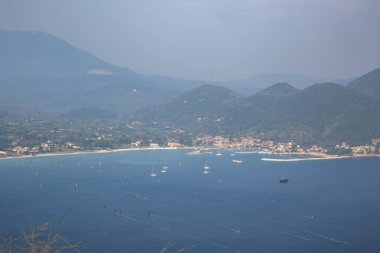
column 112, row 204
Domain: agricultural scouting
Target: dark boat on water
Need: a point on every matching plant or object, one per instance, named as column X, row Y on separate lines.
column 284, row 180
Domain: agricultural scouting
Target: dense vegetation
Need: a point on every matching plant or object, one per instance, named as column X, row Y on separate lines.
column 199, row 110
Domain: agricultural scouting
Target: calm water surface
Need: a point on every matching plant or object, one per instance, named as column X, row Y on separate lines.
column 114, row 205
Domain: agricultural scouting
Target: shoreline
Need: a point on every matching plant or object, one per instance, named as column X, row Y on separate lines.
column 88, row 152
column 198, row 151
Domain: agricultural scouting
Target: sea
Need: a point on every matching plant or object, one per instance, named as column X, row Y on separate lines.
column 113, row 202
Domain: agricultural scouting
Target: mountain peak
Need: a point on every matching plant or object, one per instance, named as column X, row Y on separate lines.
column 209, row 91
column 38, row 54
column 278, row 89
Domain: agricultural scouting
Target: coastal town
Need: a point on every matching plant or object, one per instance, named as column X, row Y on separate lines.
column 249, row 143
column 27, row 137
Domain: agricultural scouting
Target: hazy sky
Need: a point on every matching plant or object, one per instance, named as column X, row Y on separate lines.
column 213, row 39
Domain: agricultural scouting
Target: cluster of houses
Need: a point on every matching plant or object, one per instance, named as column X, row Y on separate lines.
column 362, row 150
column 248, row 141
column 280, row 147
column 46, row 147
column 251, row 141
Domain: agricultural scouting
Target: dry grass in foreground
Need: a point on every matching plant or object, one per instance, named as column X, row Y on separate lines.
column 39, row 240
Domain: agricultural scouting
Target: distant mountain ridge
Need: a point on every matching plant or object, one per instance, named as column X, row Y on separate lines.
column 26, row 54
column 41, row 72
column 260, row 82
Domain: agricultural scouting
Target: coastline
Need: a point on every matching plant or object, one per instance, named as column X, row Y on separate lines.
column 198, row 151
column 100, row 151
column 310, row 156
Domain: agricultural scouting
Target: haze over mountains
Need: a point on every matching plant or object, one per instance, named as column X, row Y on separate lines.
column 260, row 82
column 42, row 73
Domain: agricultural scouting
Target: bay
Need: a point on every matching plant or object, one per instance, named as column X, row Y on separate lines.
column 111, row 203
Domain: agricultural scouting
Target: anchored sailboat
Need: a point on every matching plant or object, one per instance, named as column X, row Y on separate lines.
column 206, row 169
column 152, row 173
column 164, row 168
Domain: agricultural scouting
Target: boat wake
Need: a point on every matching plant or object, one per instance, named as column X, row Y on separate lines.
column 172, row 220
column 139, row 221
column 218, row 245
column 138, row 196
column 326, row 237
column 236, row 230
column 288, row 234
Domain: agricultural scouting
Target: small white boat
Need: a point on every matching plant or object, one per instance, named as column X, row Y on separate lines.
column 206, row 172
column 206, row 167
column 152, row 173
column 164, row 168
column 237, row 161
column 218, row 154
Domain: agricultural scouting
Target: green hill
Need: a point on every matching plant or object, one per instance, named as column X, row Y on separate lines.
column 368, row 83
column 201, row 109
column 324, row 113
column 278, row 89
column 250, row 112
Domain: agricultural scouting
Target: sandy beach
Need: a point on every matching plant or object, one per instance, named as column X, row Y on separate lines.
column 100, row 151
